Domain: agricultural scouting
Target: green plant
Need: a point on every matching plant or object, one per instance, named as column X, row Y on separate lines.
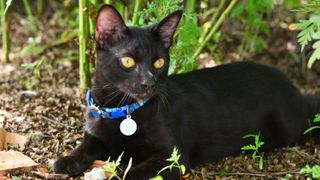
column 214, row 29
column 310, row 30
column 252, row 13
column 111, row 167
column 313, row 172
column 174, row 160
column 315, row 120
column 4, row 6
column 30, row 15
column 255, row 148
column 83, row 34
column 109, row 170
column 182, row 51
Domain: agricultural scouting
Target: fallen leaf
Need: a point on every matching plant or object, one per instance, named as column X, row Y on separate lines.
column 11, row 138
column 15, row 161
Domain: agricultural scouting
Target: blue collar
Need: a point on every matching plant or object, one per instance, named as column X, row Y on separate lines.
column 112, row 113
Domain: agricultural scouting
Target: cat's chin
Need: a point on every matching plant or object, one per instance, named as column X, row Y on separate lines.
column 140, row 97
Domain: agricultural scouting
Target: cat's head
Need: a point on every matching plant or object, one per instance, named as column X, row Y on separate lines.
column 133, row 60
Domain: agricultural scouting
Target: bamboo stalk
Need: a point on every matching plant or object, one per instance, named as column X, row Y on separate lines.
column 92, row 23
column 212, row 20
column 84, row 65
column 5, row 31
column 215, row 28
column 137, row 7
column 190, row 6
column 30, row 15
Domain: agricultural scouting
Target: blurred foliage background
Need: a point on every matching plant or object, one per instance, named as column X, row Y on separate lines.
column 36, row 34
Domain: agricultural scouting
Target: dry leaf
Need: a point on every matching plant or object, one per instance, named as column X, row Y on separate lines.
column 15, row 161
column 11, row 138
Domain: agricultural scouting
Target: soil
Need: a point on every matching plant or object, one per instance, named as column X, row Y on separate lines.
column 49, row 108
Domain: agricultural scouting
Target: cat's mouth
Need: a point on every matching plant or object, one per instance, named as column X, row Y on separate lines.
column 139, row 96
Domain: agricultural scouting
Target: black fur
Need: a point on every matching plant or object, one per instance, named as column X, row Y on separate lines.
column 204, row 113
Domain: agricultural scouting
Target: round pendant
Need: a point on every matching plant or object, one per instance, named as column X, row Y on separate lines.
column 128, row 126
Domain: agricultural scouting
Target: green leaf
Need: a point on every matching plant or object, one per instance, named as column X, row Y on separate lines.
column 161, row 170
column 315, row 20
column 311, row 129
column 157, row 178
column 305, row 36
column 239, row 9
column 248, row 147
column 8, row 4
column 117, row 163
column 306, row 170
column 183, row 169
column 127, row 169
column 315, row 56
column 316, row 171
column 248, row 136
column 303, row 24
column 261, row 163
column 16, row 178
column 317, row 118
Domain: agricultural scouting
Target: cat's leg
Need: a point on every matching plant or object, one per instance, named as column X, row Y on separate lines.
column 82, row 157
column 150, row 168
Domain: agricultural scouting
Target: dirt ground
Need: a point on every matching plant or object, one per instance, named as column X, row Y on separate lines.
column 48, row 109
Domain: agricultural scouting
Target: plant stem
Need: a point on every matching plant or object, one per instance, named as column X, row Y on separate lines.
column 212, row 20
column 137, row 7
column 190, row 6
column 5, row 31
column 215, row 28
column 40, row 6
column 84, row 65
column 92, row 23
column 30, row 15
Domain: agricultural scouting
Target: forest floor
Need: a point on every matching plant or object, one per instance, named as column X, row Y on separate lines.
column 48, row 109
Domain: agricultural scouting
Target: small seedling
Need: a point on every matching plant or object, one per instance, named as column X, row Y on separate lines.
column 255, row 148
column 111, row 169
column 315, row 120
column 174, row 160
column 312, row 172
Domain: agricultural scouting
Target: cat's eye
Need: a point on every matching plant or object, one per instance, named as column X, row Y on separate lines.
column 127, row 62
column 158, row 63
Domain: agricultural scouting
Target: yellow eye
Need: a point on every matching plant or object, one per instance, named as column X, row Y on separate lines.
column 128, row 62
column 158, row 63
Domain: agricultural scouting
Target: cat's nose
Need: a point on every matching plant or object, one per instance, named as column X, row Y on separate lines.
column 147, row 85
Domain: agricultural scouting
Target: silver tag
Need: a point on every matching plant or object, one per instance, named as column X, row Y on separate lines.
column 128, row 126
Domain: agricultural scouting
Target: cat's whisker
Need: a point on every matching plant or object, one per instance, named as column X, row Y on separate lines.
column 123, row 99
column 114, row 96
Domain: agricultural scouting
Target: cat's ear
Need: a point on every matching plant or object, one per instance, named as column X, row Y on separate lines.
column 110, row 27
column 165, row 29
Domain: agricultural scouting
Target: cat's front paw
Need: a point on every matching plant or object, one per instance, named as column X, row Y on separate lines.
column 71, row 165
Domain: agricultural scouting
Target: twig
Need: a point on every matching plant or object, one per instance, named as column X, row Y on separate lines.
column 50, row 176
column 56, row 122
column 303, row 154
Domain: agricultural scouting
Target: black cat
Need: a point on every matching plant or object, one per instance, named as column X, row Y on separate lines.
column 204, row 113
